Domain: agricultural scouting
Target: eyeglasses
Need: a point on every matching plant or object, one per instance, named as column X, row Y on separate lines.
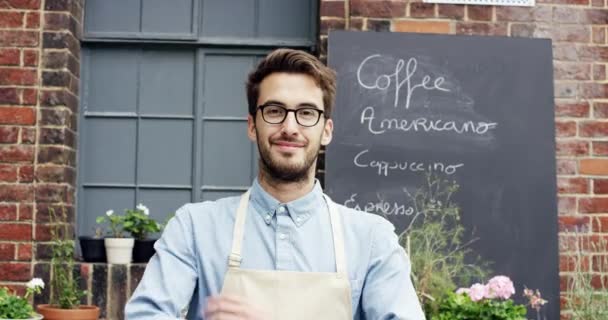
column 276, row 114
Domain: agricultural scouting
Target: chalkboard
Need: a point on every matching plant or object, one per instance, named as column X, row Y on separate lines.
column 474, row 110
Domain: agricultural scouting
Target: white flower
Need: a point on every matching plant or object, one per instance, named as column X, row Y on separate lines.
column 109, row 212
column 35, row 283
column 143, row 208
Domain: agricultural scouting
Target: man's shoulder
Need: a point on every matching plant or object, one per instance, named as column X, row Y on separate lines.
column 363, row 221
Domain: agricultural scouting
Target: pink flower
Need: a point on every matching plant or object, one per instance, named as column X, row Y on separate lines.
column 478, row 291
column 500, row 287
column 463, row 291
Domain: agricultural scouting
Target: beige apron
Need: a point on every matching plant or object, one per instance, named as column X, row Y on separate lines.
column 291, row 294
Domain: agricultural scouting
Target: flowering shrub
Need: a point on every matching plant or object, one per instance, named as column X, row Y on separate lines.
column 15, row 307
column 489, row 301
column 116, row 223
column 139, row 224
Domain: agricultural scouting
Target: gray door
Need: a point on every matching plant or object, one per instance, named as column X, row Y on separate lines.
column 163, row 106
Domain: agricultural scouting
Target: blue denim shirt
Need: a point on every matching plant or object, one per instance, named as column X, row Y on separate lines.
column 192, row 255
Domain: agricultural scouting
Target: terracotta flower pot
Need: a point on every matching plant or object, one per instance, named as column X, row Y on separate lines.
column 82, row 313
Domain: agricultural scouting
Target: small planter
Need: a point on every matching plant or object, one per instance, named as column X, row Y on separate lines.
column 82, row 313
column 143, row 250
column 36, row 317
column 93, row 249
column 119, row 250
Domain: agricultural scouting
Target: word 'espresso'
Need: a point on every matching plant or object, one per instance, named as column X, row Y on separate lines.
column 382, row 207
column 383, row 168
column 385, row 81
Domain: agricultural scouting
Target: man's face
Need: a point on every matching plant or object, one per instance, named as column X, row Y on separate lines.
column 288, row 151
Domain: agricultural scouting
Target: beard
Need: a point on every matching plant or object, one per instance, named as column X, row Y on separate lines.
column 281, row 171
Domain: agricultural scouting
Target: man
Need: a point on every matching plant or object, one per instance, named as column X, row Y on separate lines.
column 283, row 250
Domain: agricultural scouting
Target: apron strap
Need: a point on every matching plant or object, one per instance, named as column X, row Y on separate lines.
column 235, row 258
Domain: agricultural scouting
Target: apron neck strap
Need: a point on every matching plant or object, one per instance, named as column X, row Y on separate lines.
column 235, row 258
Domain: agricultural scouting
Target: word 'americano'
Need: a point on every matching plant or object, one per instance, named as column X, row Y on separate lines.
column 383, row 168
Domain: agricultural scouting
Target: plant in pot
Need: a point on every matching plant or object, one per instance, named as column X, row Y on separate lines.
column 65, row 294
column 13, row 307
column 119, row 249
column 140, row 225
column 93, row 247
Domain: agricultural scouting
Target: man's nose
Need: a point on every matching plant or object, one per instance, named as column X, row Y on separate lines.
column 290, row 124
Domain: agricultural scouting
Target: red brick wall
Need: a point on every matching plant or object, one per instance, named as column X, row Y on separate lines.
column 578, row 31
column 39, row 74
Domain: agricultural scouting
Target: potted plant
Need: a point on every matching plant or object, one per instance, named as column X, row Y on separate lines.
column 93, row 247
column 14, row 307
column 119, row 249
column 65, row 294
column 140, row 225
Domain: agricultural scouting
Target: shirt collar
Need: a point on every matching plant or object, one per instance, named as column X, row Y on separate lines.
column 300, row 210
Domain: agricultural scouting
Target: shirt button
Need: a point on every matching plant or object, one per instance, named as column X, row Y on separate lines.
column 298, row 218
column 281, row 209
column 267, row 218
column 282, row 236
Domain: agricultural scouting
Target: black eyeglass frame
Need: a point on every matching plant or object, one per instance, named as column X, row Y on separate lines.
column 287, row 111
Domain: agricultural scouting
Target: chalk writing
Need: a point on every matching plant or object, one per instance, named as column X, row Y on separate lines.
column 381, row 206
column 384, row 168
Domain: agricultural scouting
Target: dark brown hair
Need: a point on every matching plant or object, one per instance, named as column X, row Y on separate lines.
column 292, row 61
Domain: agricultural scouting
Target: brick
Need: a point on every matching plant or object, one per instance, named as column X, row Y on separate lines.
column 55, row 21
column 61, row 40
column 51, row 193
column 8, row 211
column 9, row 96
column 9, row 134
column 574, row 224
column 17, row 115
column 568, row 15
column 594, row 90
column 118, row 298
column 568, row 2
column 56, row 174
column 16, row 153
column 30, row 58
column 600, row 110
column 51, row 98
column 100, row 287
column 600, row 148
column 43, row 211
column 30, row 96
column 597, row 3
column 24, row 251
column 565, row 129
column 598, row 34
column 16, row 192
column 15, row 271
column 599, row 263
column 54, row 117
column 481, row 28
column 26, row 173
column 566, row 167
column 17, row 38
column 55, row 60
column 593, row 129
column 596, row 16
column 524, row 14
column 378, row 25
column 567, row 33
column 57, row 5
column 572, row 71
column 22, row 4
column 593, row 166
column 13, row 76
column 570, row 263
column 44, row 232
column 572, row 185
column 480, row 13
column 7, row 251
column 16, row 231
column 599, row 282
column 593, row 53
column 57, row 155
column 600, row 186
column 422, row 26
column 593, row 205
column 32, row 20
column 8, row 173
column 377, row 9
column 422, row 10
column 26, row 212
column 62, row 78
column 56, row 136
column 28, row 135
column 566, row 205
column 572, row 148
column 332, row 9
column 9, row 57
column 11, row 19
column 562, row 51
column 451, row 11
column 325, row 27
column 599, row 224
column 525, row 30
column 599, row 72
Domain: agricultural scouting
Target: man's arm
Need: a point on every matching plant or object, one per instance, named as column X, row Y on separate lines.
column 170, row 277
column 388, row 292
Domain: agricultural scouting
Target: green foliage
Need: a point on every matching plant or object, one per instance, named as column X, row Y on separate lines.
column 116, row 223
column 583, row 299
column 435, row 244
column 140, row 225
column 13, row 306
column 461, row 307
column 65, row 293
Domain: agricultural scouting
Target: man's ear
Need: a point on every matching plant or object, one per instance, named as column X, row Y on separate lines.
column 251, row 128
column 328, row 130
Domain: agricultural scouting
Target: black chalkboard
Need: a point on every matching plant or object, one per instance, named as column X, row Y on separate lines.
column 477, row 110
